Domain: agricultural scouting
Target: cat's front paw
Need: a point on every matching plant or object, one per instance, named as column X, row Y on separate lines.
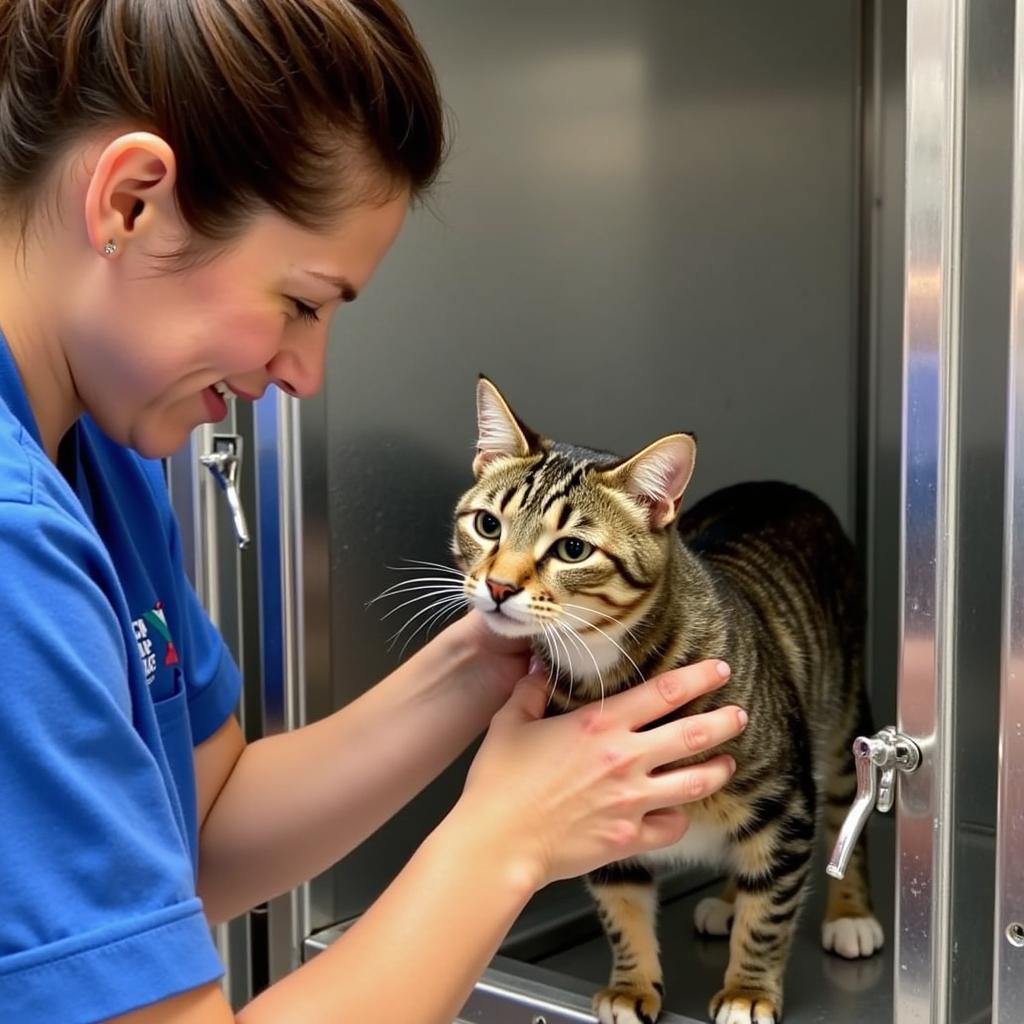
column 852, row 937
column 713, row 916
column 746, row 1006
column 629, row 1002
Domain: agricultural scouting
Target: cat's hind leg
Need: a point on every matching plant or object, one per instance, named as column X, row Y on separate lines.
column 850, row 928
column 626, row 898
column 713, row 915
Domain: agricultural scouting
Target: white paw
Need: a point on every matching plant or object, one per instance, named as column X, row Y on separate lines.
column 713, row 916
column 739, row 1011
column 852, row 937
column 626, row 1004
column 607, row 1014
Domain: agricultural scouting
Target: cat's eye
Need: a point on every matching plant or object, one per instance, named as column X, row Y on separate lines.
column 488, row 525
column 572, row 549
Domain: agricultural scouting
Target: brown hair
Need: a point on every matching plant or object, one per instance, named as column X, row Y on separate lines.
column 266, row 103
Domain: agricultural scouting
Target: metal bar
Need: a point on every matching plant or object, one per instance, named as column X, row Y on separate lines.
column 866, row 287
column 931, row 339
column 513, row 992
column 214, row 571
column 1008, row 955
column 278, row 471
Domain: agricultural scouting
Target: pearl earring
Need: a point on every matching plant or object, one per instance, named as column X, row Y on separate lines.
column 110, row 248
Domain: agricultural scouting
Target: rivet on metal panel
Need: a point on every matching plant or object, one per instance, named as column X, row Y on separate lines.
column 1015, row 934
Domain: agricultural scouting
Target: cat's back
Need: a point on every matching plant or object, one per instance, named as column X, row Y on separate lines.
column 774, row 520
column 774, row 540
column 759, row 509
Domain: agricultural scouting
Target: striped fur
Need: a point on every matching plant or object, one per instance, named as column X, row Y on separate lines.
column 760, row 574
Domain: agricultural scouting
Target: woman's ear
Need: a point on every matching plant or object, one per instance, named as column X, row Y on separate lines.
column 131, row 191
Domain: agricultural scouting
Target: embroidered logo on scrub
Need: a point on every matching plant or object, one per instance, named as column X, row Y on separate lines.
column 153, row 624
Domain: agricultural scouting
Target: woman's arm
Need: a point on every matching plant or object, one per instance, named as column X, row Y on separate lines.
column 544, row 799
column 269, row 822
column 413, row 958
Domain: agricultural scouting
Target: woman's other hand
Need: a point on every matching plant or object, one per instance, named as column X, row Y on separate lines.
column 562, row 796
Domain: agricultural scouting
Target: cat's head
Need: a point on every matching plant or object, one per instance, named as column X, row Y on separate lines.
column 554, row 537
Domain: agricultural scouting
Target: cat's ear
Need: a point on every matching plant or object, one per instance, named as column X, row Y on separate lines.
column 500, row 433
column 657, row 476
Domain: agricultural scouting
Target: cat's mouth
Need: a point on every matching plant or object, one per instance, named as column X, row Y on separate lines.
column 507, row 622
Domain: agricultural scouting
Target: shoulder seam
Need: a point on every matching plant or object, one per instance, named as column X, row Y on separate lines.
column 30, row 467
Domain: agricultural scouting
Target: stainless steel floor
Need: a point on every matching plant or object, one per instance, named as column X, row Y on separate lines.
column 820, row 987
column 556, row 957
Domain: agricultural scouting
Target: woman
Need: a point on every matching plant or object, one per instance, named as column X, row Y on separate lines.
column 189, row 189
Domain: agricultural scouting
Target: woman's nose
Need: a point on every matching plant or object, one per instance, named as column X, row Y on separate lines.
column 299, row 369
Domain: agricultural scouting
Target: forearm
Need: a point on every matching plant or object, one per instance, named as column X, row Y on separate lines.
column 414, row 956
column 297, row 802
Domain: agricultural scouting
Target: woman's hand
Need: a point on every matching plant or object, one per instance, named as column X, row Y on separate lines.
column 483, row 660
column 562, row 796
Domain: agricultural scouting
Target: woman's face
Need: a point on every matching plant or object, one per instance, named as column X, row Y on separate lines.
column 150, row 348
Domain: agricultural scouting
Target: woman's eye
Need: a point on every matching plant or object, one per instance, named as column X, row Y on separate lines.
column 488, row 526
column 572, row 549
column 305, row 311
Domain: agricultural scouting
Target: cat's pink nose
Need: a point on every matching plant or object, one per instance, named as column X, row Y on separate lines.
column 500, row 591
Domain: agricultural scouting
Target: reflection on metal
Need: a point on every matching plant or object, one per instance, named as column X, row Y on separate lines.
column 886, row 752
column 510, row 992
column 494, row 1001
column 212, row 564
column 278, row 472
column 935, row 104
column 225, row 463
column 1008, row 958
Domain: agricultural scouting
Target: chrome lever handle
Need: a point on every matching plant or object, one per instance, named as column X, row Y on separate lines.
column 224, row 462
column 885, row 753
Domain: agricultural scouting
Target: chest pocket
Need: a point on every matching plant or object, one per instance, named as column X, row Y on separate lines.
column 176, row 735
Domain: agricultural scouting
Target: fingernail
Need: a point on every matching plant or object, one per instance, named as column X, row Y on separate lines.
column 723, row 670
column 743, row 717
column 732, row 764
column 536, row 665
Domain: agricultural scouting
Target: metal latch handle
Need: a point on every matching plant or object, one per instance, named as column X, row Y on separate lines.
column 882, row 755
column 224, row 462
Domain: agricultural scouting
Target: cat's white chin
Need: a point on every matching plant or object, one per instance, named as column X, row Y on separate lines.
column 504, row 626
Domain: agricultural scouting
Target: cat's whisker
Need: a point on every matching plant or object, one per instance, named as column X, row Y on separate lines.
column 415, row 563
column 568, row 656
column 582, row 644
column 611, row 640
column 411, row 585
column 552, row 671
column 605, row 615
column 416, row 583
column 556, row 646
column 458, row 599
column 418, row 594
column 427, row 592
column 447, row 602
column 546, row 615
column 440, row 616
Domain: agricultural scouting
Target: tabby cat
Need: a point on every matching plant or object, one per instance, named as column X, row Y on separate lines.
column 587, row 554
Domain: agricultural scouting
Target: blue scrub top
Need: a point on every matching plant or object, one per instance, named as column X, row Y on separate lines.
column 110, row 673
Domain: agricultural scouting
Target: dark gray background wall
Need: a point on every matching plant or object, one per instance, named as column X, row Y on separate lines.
column 648, row 223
